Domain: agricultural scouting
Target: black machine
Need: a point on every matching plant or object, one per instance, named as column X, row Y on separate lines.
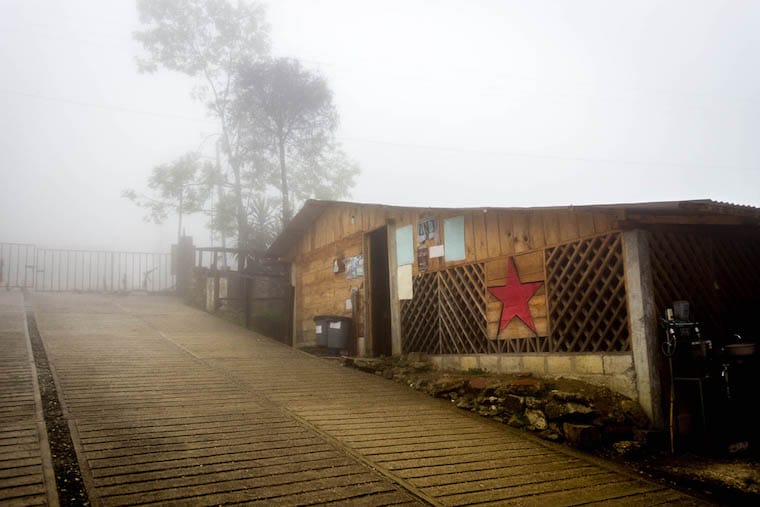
column 709, row 407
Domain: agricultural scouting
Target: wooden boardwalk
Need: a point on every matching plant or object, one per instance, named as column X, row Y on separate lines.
column 171, row 406
column 26, row 474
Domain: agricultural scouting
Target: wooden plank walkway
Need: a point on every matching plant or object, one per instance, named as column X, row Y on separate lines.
column 175, row 407
column 26, row 474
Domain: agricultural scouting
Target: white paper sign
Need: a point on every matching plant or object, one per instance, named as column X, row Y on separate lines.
column 319, row 329
column 405, row 282
column 349, row 305
column 335, row 325
column 436, row 251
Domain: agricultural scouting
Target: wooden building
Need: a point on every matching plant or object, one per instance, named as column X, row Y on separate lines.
column 575, row 291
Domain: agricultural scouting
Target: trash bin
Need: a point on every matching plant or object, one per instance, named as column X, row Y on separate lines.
column 321, row 322
column 339, row 332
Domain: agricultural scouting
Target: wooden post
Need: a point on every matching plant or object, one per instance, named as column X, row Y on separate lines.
column 293, row 313
column 185, row 263
column 641, row 312
column 367, row 255
column 395, row 302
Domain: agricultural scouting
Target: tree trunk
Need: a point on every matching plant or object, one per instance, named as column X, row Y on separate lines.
column 284, row 184
column 179, row 215
column 242, row 221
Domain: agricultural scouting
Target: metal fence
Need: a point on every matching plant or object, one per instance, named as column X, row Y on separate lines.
column 45, row 269
column 17, row 265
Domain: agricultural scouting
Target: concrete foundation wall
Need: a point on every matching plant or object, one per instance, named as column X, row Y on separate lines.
column 615, row 371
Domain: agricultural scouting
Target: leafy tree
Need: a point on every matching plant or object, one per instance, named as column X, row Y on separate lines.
column 289, row 115
column 177, row 187
column 277, row 120
column 208, row 40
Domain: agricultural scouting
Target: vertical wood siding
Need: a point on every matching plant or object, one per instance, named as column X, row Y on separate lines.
column 491, row 237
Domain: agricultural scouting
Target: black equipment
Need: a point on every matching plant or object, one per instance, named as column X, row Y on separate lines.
column 710, row 387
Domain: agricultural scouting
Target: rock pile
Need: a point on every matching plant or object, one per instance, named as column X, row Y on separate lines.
column 559, row 409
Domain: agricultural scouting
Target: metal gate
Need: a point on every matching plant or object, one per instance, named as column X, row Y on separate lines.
column 47, row 269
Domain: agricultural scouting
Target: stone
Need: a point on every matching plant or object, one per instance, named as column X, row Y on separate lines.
column 569, row 411
column 536, row 420
column 478, row 383
column 583, row 436
column 634, row 413
column 521, row 386
column 517, row 421
column 627, row 447
column 513, row 404
column 465, row 403
column 535, row 403
column 419, row 366
column 369, row 365
column 570, row 397
column 415, row 357
column 445, row 385
column 550, row 435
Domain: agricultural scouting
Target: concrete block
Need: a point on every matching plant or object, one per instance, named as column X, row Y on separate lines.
column 511, row 364
column 617, row 364
column 449, row 362
column 589, row 364
column 558, row 364
column 490, row 363
column 534, row 364
column 468, row 362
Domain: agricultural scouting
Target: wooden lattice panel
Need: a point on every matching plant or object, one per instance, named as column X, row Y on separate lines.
column 462, row 309
column 448, row 312
column 718, row 274
column 588, row 310
column 419, row 316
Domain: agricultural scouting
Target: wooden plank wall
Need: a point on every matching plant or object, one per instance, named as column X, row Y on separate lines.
column 491, row 236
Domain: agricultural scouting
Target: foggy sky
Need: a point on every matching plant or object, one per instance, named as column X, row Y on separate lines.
column 442, row 103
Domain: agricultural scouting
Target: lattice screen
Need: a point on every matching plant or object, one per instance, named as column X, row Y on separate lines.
column 586, row 294
column 448, row 312
column 719, row 275
column 448, row 316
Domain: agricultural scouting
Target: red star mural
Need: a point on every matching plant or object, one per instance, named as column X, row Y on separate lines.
column 514, row 296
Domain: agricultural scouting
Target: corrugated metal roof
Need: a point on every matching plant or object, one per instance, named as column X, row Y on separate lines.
column 313, row 208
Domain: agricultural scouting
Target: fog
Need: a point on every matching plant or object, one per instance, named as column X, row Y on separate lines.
column 442, row 103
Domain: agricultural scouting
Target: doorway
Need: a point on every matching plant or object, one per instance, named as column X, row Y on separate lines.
column 380, row 293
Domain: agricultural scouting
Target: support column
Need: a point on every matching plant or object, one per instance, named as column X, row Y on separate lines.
column 395, row 302
column 641, row 312
column 185, row 262
column 293, row 308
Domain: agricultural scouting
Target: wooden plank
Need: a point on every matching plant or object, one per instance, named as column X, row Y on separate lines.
column 470, row 252
column 568, row 226
column 496, row 271
column 520, row 232
column 603, row 222
column 493, row 234
column 585, row 223
column 479, row 231
column 536, row 230
column 530, row 266
column 551, row 228
column 506, row 242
